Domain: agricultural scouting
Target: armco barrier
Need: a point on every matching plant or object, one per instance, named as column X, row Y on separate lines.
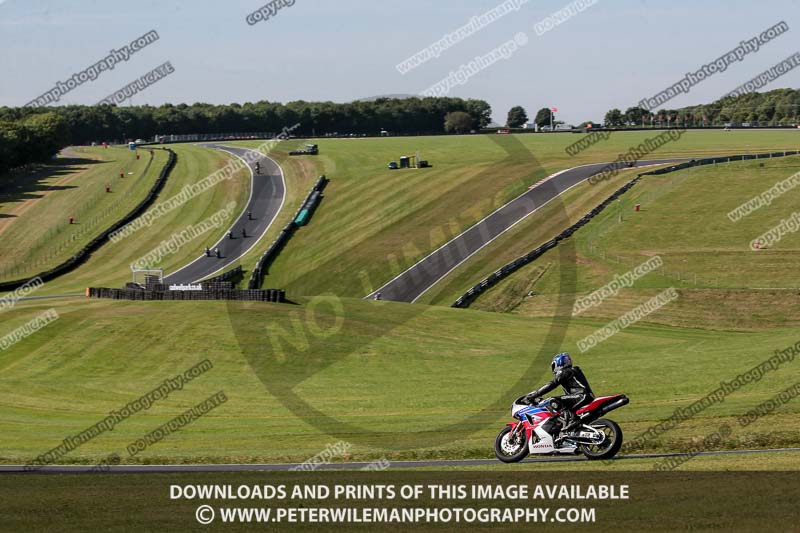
column 311, row 202
column 229, row 276
column 468, row 297
column 79, row 258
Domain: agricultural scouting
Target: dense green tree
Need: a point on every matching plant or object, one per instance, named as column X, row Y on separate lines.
column 517, row 117
column 457, row 122
column 543, row 117
column 614, row 118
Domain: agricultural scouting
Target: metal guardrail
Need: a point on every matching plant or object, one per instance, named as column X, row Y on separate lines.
column 310, row 204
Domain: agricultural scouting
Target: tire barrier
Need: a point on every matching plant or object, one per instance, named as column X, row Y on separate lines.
column 301, row 218
column 83, row 255
column 206, row 294
column 472, row 294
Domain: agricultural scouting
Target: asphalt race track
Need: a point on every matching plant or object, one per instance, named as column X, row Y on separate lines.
column 414, row 282
column 155, row 469
column 267, row 193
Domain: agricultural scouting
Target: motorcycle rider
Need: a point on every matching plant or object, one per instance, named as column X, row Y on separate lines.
column 576, row 386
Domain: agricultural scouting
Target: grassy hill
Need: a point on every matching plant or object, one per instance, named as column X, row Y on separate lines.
column 406, row 381
column 110, row 266
column 385, row 377
column 683, row 220
column 376, row 222
column 35, row 208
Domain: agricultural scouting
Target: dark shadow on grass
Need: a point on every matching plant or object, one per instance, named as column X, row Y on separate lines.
column 22, row 186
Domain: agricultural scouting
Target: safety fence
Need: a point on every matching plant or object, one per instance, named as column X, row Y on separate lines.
column 200, row 137
column 84, row 253
column 472, row 294
column 301, row 218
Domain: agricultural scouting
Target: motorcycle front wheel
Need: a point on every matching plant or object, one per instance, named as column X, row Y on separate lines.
column 611, row 443
column 510, row 448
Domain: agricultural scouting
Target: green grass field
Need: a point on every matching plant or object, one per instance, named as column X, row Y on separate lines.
column 35, row 209
column 388, row 377
column 375, row 222
column 387, row 391
column 683, row 219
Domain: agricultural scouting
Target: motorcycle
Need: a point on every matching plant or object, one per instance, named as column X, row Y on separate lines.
column 595, row 437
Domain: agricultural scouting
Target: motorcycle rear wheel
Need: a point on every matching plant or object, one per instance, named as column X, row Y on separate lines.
column 610, row 446
column 510, row 451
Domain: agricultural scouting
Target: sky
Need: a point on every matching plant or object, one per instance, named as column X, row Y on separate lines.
column 611, row 54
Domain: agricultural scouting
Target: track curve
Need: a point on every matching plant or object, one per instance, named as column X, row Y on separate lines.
column 267, row 194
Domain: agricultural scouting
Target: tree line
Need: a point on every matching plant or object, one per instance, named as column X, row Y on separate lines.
column 408, row 115
column 773, row 108
column 34, row 138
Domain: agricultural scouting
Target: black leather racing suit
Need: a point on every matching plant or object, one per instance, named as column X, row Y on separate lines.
column 576, row 386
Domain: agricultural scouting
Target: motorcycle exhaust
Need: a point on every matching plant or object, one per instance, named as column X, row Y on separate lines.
column 616, row 404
